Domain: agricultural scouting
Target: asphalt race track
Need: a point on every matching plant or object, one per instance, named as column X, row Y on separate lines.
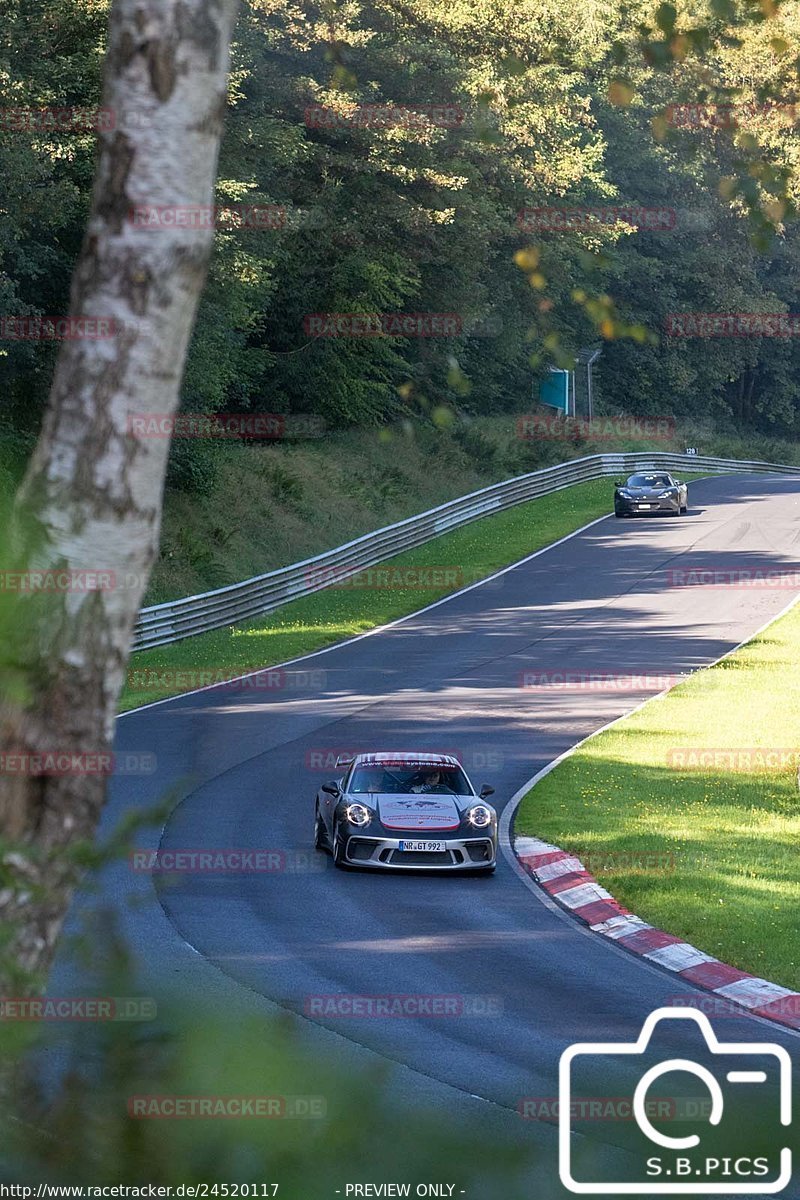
column 248, row 760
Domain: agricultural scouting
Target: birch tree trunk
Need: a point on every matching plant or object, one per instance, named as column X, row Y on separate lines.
column 91, row 498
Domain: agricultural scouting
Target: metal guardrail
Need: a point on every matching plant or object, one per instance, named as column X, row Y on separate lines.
column 174, row 620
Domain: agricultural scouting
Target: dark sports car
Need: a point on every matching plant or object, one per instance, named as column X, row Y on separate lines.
column 650, row 492
column 395, row 811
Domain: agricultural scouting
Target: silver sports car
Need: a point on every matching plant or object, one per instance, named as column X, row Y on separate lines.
column 396, row 810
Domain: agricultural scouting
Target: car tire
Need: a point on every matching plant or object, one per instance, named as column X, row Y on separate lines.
column 320, row 832
column 337, row 850
column 684, row 508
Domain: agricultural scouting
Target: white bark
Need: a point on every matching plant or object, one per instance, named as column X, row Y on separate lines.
column 92, row 495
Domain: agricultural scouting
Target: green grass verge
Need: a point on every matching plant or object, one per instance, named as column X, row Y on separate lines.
column 707, row 853
column 336, row 613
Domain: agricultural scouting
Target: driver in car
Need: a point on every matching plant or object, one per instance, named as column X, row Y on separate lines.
column 429, row 782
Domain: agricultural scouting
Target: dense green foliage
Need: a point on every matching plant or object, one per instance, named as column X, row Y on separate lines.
column 557, row 104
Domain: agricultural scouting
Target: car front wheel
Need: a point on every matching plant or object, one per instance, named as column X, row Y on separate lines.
column 320, row 832
column 338, row 849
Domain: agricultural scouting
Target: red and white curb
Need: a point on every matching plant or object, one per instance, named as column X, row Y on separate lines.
column 566, row 880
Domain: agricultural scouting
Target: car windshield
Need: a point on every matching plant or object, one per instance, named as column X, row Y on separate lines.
column 409, row 777
column 649, row 481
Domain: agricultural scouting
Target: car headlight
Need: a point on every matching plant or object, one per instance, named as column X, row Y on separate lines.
column 622, row 492
column 358, row 814
column 669, row 492
column 480, row 815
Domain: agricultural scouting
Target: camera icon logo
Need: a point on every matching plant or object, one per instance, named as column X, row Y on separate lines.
column 715, row 1162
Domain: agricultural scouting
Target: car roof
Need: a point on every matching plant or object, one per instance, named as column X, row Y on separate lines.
column 401, row 757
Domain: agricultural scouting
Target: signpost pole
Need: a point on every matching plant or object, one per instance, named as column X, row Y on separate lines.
column 589, row 364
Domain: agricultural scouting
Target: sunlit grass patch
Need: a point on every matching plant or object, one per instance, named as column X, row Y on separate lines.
column 689, row 811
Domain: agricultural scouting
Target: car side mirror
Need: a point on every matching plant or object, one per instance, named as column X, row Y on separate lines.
column 331, row 788
column 618, row 483
column 679, row 483
column 486, row 791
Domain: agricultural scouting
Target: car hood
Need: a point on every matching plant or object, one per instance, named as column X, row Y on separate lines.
column 418, row 811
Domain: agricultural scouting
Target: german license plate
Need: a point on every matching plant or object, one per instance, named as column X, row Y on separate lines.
column 432, row 846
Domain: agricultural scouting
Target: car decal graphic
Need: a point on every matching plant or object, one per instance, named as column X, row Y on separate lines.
column 417, row 812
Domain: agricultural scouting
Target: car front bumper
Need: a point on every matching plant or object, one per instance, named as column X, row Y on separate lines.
column 643, row 508
column 468, row 853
